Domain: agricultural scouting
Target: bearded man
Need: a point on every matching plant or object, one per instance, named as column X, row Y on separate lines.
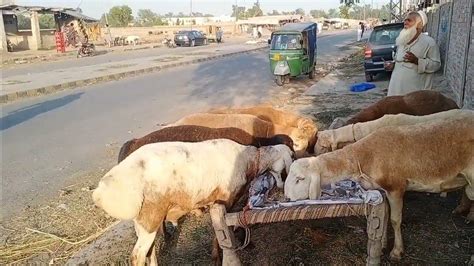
column 416, row 59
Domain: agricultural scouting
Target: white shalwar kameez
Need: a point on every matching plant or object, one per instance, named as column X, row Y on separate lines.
column 408, row 77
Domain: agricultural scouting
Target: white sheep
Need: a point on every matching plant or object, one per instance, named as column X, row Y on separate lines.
column 330, row 140
column 434, row 157
column 165, row 181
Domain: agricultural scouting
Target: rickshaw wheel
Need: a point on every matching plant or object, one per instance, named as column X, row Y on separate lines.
column 279, row 80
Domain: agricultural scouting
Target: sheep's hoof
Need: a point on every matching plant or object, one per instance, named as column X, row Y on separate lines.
column 470, row 217
column 395, row 255
column 462, row 209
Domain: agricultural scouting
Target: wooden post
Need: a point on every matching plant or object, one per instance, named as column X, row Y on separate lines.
column 225, row 236
column 376, row 232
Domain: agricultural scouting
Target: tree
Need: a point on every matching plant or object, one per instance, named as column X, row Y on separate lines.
column 147, row 18
column 24, row 22
column 255, row 11
column 299, row 11
column 333, row 13
column 349, row 3
column 344, row 11
column 274, row 13
column 318, row 14
column 239, row 12
column 120, row 16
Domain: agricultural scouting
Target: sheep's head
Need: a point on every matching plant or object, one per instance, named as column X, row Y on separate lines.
column 300, row 142
column 126, row 149
column 281, row 159
column 325, row 142
column 283, row 139
column 303, row 181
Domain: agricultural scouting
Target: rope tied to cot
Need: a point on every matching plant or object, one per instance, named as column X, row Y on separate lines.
column 243, row 222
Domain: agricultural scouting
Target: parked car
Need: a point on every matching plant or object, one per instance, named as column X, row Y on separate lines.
column 337, row 25
column 380, row 47
column 190, row 38
column 345, row 25
column 325, row 26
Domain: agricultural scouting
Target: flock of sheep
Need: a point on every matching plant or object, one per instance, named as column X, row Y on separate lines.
column 417, row 142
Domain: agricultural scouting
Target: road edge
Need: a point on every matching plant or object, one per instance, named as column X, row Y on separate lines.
column 14, row 96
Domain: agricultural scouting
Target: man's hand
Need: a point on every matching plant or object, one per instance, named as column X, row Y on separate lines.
column 410, row 57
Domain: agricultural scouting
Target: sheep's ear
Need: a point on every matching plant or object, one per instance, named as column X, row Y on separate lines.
column 315, row 187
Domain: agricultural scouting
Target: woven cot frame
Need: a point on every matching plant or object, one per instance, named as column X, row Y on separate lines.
column 377, row 220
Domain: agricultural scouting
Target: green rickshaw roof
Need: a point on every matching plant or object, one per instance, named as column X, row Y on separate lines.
column 299, row 27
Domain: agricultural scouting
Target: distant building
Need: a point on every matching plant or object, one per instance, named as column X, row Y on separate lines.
column 199, row 21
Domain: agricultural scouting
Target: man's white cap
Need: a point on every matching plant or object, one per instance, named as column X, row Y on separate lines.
column 424, row 17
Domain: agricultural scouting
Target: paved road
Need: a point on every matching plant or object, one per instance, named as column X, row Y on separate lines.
column 48, row 142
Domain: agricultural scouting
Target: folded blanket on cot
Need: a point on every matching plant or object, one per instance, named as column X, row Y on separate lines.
column 343, row 192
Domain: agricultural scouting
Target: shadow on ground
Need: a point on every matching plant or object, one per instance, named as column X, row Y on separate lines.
column 21, row 115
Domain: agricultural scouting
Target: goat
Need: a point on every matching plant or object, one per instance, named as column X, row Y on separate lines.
column 164, row 181
column 191, row 133
column 423, row 102
column 249, row 123
column 435, row 156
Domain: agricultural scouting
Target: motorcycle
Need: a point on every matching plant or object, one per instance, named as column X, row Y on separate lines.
column 169, row 43
column 86, row 49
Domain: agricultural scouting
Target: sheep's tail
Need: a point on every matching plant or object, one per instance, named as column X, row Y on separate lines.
column 125, row 150
column 120, row 196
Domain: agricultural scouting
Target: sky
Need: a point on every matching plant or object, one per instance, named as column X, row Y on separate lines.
column 95, row 8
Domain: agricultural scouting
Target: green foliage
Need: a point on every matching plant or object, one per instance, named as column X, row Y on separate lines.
column 24, row 22
column 333, row 13
column 120, row 16
column 300, row 11
column 46, row 21
column 318, row 13
column 147, row 18
column 344, row 11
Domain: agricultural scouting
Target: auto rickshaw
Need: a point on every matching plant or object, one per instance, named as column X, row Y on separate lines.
column 293, row 51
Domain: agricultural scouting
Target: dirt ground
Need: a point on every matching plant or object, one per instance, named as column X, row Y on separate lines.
column 432, row 235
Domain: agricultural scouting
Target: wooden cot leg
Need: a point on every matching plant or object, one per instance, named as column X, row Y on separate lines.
column 385, row 223
column 225, row 236
column 376, row 232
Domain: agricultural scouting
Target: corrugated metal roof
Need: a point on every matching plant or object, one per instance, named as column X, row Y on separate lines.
column 69, row 11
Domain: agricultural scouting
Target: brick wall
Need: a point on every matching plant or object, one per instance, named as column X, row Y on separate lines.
column 458, row 48
column 444, row 29
column 469, row 87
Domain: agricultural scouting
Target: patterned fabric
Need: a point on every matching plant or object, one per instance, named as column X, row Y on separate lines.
column 303, row 212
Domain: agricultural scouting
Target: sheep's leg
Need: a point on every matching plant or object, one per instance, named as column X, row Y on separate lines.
column 470, row 215
column 279, row 181
column 395, row 200
column 153, row 259
column 464, row 205
column 144, row 242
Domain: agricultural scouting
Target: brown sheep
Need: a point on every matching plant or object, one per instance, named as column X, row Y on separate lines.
column 277, row 117
column 249, row 123
column 432, row 157
column 423, row 102
column 190, row 133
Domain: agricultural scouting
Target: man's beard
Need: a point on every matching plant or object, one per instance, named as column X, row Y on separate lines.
column 406, row 35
